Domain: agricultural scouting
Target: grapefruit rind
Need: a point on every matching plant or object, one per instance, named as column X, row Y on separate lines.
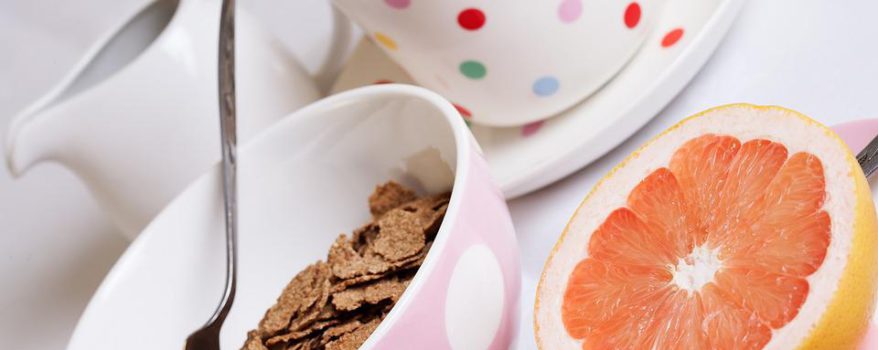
column 848, row 315
column 838, row 313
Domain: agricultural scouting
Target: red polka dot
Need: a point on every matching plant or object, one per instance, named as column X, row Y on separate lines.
column 632, row 15
column 531, row 128
column 465, row 113
column 383, row 81
column 672, row 37
column 398, row 4
column 471, row 19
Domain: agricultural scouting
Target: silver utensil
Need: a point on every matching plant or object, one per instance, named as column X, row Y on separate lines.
column 207, row 338
column 868, row 157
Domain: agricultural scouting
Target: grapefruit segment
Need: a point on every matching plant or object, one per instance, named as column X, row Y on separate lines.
column 612, row 288
column 700, row 167
column 797, row 189
column 736, row 238
column 625, row 239
column 616, row 332
column 730, row 327
column 659, row 201
column 773, row 298
column 750, row 172
column 683, row 329
column 794, row 248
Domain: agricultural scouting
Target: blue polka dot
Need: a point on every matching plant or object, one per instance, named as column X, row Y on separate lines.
column 546, row 86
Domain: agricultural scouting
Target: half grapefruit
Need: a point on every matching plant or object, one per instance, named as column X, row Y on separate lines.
column 742, row 227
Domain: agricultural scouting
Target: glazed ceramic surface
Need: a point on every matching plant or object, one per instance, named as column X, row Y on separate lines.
column 137, row 117
column 526, row 158
column 508, row 62
column 302, row 182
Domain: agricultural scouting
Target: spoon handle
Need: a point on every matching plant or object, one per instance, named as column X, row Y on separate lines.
column 207, row 338
column 868, row 157
column 228, row 129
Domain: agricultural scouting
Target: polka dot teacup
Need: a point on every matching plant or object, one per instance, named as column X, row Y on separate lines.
column 507, row 62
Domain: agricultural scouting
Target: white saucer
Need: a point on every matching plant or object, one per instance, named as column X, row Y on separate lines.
column 523, row 159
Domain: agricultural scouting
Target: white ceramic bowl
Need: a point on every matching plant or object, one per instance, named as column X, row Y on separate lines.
column 301, row 183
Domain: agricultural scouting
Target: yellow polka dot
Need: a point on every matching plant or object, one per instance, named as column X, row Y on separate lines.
column 386, row 41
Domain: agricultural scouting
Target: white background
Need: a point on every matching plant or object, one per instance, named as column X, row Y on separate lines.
column 818, row 57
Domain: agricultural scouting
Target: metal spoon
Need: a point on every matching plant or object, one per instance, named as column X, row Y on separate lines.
column 207, row 338
column 868, row 157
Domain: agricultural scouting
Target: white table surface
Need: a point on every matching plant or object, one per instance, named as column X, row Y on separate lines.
column 818, row 57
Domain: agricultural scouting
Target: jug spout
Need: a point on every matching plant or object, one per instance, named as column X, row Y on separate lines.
column 97, row 145
column 74, row 134
column 31, row 138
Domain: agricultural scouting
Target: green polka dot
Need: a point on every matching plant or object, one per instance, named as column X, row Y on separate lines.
column 473, row 69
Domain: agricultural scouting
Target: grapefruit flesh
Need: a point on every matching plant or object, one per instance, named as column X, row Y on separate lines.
column 718, row 235
column 704, row 254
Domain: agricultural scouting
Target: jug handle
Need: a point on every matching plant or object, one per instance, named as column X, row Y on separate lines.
column 335, row 57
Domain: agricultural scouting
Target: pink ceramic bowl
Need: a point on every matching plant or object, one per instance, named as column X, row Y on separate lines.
column 302, row 182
